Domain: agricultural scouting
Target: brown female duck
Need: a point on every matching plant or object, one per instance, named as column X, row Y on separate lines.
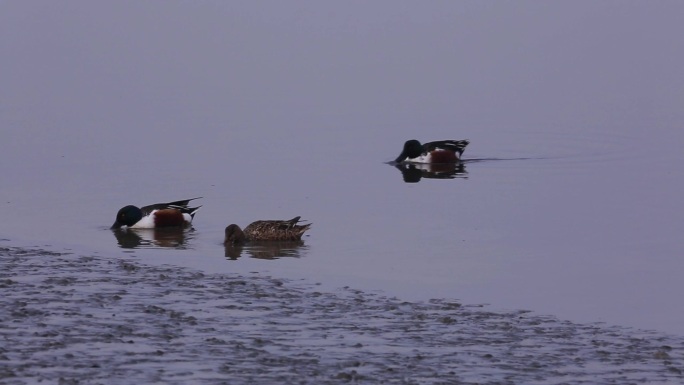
column 270, row 230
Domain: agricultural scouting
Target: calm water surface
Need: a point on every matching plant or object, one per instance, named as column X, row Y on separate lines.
column 569, row 202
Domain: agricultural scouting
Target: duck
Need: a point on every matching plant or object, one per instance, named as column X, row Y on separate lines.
column 266, row 230
column 441, row 151
column 171, row 214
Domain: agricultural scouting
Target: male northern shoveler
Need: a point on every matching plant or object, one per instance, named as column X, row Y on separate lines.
column 157, row 215
column 442, row 151
column 266, row 231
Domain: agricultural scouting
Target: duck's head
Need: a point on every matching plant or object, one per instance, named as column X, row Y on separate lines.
column 412, row 149
column 127, row 216
column 234, row 235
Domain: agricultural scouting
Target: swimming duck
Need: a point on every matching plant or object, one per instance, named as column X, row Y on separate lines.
column 442, row 151
column 171, row 214
column 268, row 230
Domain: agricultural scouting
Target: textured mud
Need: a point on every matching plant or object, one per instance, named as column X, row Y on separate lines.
column 72, row 319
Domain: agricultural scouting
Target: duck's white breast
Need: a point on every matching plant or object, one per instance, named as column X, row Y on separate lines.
column 146, row 222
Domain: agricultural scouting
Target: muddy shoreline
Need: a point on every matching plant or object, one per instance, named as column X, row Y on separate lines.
column 74, row 319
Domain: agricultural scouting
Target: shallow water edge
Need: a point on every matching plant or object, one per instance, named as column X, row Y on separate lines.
column 71, row 318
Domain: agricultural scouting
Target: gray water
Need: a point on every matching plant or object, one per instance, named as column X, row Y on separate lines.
column 73, row 319
column 568, row 204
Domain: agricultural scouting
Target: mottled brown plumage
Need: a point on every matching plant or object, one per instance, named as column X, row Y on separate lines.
column 269, row 230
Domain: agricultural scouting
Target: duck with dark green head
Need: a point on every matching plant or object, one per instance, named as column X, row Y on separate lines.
column 171, row 214
column 442, row 151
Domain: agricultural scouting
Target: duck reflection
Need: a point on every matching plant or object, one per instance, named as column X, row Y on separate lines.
column 414, row 172
column 164, row 237
column 265, row 249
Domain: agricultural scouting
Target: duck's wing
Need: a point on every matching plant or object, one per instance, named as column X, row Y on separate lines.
column 449, row 145
column 276, row 229
column 293, row 222
column 178, row 205
column 183, row 203
column 272, row 225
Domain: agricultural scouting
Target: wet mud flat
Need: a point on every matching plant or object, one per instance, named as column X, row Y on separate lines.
column 73, row 319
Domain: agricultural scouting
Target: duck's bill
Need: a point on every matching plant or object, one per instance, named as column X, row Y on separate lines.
column 400, row 158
